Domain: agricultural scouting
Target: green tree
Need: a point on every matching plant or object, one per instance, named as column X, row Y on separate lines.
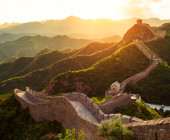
column 71, row 135
column 114, row 130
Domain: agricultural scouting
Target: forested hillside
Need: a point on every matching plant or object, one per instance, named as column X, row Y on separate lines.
column 95, row 80
column 155, row 88
column 31, row 45
column 40, row 78
column 24, row 65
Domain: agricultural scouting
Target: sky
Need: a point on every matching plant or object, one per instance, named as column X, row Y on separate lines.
column 38, row 10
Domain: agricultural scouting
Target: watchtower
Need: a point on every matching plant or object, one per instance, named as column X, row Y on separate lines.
column 139, row 21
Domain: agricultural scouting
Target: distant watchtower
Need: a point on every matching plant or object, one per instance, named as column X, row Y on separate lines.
column 139, row 21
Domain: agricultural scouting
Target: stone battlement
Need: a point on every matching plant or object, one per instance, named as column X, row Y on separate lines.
column 97, row 112
column 158, row 129
column 120, row 100
column 61, row 108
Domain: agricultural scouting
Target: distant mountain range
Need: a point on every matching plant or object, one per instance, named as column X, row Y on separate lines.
column 30, row 45
column 75, row 26
column 10, row 37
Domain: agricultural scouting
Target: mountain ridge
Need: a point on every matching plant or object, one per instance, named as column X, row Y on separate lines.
column 31, row 45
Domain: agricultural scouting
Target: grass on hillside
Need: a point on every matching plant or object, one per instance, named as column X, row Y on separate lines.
column 11, row 68
column 40, row 78
column 98, row 100
column 155, row 88
column 24, row 65
column 161, row 48
column 95, row 80
column 139, row 110
column 31, row 45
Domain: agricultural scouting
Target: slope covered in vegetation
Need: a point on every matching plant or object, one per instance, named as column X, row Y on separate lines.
column 45, row 60
column 31, row 45
column 40, row 78
column 43, row 51
column 139, row 110
column 11, row 68
column 24, row 65
column 95, row 80
column 161, row 48
column 156, row 87
column 114, row 38
column 165, row 27
column 92, row 48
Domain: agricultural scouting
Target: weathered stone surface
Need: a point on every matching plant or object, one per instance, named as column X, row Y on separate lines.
column 61, row 109
column 151, row 130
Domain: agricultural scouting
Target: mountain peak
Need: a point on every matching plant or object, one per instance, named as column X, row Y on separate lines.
column 139, row 31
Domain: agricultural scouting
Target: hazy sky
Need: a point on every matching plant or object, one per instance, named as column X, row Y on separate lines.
column 37, row 10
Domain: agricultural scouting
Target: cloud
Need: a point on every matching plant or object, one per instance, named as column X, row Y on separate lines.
column 143, row 1
column 137, row 9
column 156, row 0
column 146, row 8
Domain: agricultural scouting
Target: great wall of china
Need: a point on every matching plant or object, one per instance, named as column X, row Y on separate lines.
column 110, row 105
column 73, row 110
column 76, row 110
column 154, row 62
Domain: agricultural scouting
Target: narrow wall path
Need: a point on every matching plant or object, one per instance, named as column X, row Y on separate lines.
column 23, row 96
column 83, row 111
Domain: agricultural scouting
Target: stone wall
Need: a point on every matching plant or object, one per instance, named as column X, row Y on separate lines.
column 97, row 111
column 20, row 100
column 120, row 100
column 144, row 50
column 157, row 34
column 149, row 27
column 139, row 76
column 145, row 73
column 61, row 109
column 158, row 129
column 161, row 33
column 124, row 99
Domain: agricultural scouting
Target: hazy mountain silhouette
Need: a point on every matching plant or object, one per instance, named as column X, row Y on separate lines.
column 30, row 45
column 10, row 37
column 79, row 26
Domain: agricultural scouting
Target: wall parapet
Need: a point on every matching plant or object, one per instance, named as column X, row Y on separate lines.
column 96, row 111
column 157, row 129
column 61, row 109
